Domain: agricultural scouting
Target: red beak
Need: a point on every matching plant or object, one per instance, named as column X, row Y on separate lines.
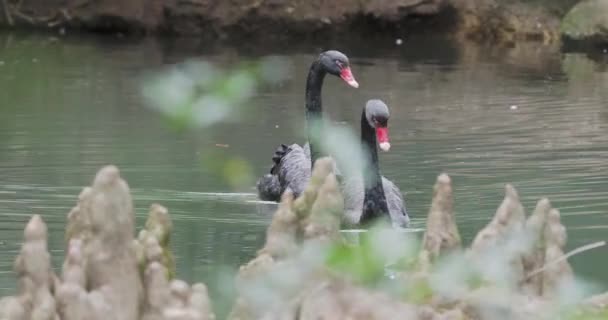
column 382, row 136
column 347, row 76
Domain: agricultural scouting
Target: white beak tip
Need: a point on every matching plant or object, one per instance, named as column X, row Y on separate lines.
column 385, row 146
column 353, row 83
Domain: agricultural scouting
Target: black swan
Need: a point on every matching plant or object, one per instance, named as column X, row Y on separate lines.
column 369, row 196
column 292, row 164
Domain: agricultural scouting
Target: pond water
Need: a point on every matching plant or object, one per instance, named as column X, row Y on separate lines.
column 529, row 115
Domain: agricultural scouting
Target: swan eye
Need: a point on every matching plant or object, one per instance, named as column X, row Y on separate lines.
column 380, row 123
column 339, row 63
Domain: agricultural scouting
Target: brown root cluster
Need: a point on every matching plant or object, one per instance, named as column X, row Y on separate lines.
column 107, row 273
column 515, row 267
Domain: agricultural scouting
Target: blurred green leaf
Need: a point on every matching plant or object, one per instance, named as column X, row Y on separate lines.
column 419, row 291
column 586, row 315
column 238, row 172
column 356, row 261
column 199, row 94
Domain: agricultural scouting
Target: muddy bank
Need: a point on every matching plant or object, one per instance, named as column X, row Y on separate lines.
column 480, row 19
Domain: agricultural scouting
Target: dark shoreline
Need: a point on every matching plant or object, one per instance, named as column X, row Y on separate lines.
column 294, row 22
column 481, row 20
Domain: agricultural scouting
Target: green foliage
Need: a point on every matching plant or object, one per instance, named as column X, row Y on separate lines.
column 376, row 252
column 198, row 94
column 475, row 280
column 357, row 261
column 560, row 7
column 419, row 291
column 587, row 315
column 587, row 19
column 238, row 172
column 234, row 170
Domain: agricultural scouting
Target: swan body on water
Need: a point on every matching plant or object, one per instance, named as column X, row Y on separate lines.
column 367, row 194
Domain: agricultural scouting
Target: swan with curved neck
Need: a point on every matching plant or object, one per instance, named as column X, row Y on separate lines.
column 334, row 63
column 370, row 196
column 293, row 163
